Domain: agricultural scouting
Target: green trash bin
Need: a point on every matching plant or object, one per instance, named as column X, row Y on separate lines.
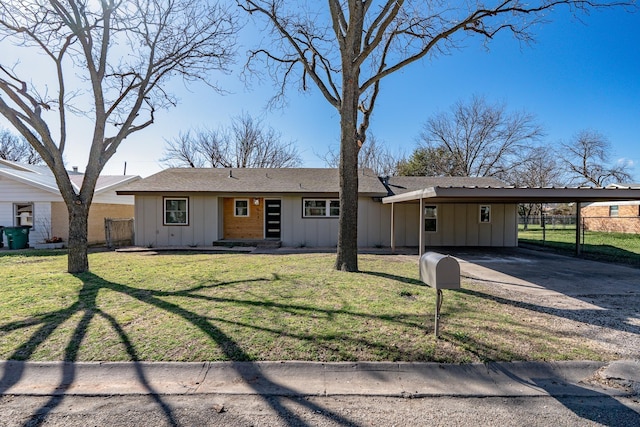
column 17, row 237
column 1, row 237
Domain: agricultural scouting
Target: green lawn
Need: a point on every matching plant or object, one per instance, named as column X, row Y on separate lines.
column 196, row 307
column 618, row 247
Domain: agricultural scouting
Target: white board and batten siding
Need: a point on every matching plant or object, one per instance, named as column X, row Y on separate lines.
column 407, row 220
column 458, row 224
column 202, row 229
column 298, row 231
column 206, row 223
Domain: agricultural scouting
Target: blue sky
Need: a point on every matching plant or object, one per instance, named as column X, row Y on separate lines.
column 576, row 76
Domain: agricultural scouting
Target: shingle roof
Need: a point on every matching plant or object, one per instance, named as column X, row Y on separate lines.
column 403, row 184
column 252, row 180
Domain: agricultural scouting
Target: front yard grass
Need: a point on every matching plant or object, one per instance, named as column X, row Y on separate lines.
column 244, row 307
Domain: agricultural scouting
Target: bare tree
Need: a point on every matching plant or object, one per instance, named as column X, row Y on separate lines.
column 585, row 160
column 539, row 169
column 248, row 143
column 184, row 150
column 479, row 139
column 346, row 49
column 16, row 149
column 118, row 56
column 373, row 155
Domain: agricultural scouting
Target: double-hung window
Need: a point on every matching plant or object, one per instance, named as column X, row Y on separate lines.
column 485, row 214
column 321, row 208
column 613, row 210
column 431, row 218
column 241, row 207
column 176, row 211
column 23, row 214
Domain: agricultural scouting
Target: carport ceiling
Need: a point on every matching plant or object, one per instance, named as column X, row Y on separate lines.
column 516, row 195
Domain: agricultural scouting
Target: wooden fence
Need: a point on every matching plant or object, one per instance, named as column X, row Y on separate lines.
column 118, row 232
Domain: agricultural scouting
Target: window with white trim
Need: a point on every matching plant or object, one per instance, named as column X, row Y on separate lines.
column 176, row 211
column 23, row 214
column 613, row 210
column 431, row 218
column 321, row 208
column 485, row 214
column 241, row 207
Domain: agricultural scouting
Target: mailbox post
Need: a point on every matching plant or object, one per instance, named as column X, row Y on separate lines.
column 440, row 272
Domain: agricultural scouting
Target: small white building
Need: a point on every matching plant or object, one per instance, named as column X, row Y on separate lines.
column 29, row 196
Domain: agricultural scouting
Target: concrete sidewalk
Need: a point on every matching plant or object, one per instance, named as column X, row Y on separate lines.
column 621, row 378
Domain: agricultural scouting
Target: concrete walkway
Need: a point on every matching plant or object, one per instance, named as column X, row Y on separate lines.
column 621, row 378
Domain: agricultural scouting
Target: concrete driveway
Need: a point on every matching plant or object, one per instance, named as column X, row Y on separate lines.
column 601, row 298
column 538, row 271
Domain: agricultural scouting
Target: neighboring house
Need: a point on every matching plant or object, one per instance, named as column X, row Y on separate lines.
column 29, row 196
column 300, row 207
column 613, row 216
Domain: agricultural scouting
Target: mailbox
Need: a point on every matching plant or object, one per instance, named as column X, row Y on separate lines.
column 440, row 271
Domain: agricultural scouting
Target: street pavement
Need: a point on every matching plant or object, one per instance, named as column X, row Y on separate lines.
column 319, row 394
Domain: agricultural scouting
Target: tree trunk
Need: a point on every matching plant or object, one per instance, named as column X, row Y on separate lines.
column 77, row 260
column 347, row 251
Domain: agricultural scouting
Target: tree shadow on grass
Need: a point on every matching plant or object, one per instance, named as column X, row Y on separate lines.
column 407, row 280
column 598, row 317
column 87, row 306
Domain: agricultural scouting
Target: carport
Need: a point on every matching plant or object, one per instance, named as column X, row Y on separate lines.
column 506, row 195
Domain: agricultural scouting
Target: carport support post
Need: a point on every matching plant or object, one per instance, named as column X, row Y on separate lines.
column 393, row 229
column 421, row 228
column 578, row 221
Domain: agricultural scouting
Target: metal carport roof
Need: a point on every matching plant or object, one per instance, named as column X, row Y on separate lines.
column 517, row 194
column 509, row 194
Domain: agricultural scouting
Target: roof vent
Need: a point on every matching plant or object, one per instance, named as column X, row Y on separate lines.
column 75, row 169
column 230, row 173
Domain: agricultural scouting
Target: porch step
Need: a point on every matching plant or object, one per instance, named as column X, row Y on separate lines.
column 271, row 244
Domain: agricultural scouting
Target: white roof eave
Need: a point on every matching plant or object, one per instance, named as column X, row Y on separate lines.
column 52, row 188
column 113, row 186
